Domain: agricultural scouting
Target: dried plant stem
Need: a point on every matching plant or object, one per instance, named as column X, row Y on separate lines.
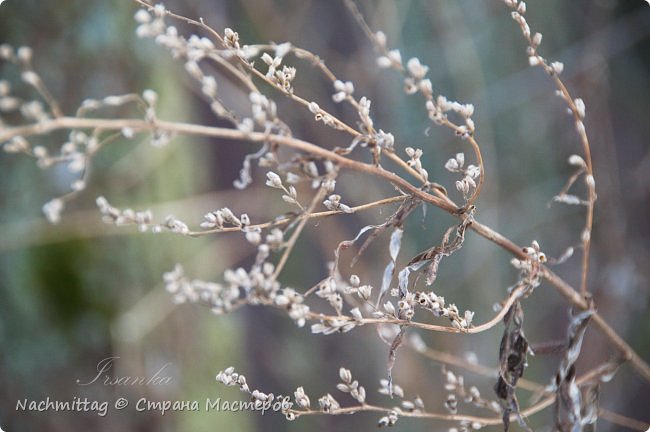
column 42, row 89
column 411, row 414
column 314, row 215
column 230, row 67
column 399, row 161
column 88, row 167
column 456, row 361
column 622, row 420
column 358, row 16
column 437, row 189
column 481, row 178
column 223, row 53
column 314, row 316
column 588, row 376
column 578, row 117
column 563, row 287
column 320, row 64
column 244, row 79
column 194, row 129
column 485, row 421
column 318, row 197
column 340, row 124
column 572, row 295
column 589, row 218
column 516, row 294
column 453, row 360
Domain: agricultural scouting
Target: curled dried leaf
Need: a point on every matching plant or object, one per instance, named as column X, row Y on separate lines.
column 395, row 220
column 434, row 255
column 392, row 356
column 512, row 362
column 389, row 270
column 569, row 403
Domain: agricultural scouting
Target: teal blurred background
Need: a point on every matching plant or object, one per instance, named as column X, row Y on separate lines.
column 78, row 292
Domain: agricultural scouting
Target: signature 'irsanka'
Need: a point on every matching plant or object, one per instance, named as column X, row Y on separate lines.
column 103, row 376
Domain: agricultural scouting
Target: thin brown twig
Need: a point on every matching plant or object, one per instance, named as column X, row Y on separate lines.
column 318, row 197
column 442, row 201
column 411, row 414
column 340, row 124
column 354, row 10
column 193, row 129
column 584, row 139
column 320, row 64
column 622, row 420
column 589, row 218
column 311, row 215
column 514, row 296
column 485, row 421
column 42, row 89
column 456, row 361
column 453, row 360
column 545, row 403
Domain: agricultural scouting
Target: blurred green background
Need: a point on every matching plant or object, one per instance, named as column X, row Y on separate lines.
column 78, row 292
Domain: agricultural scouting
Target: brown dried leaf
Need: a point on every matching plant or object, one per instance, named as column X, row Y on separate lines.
column 392, row 356
column 449, row 245
column 513, row 351
column 395, row 220
column 568, row 403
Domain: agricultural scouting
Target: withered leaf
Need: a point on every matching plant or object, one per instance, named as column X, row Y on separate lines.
column 569, row 405
column 512, row 362
column 392, row 356
column 448, row 246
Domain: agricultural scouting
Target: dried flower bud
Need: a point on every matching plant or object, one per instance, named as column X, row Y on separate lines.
column 416, row 69
column 273, row 180
column 345, row 375
column 580, row 107
column 24, row 54
column 313, row 107
column 142, row 16
column 383, row 62
column 302, row 400
column 30, row 78
column 52, row 210
column 557, row 67
column 380, row 38
column 6, row 51
column 150, row 97
column 576, row 160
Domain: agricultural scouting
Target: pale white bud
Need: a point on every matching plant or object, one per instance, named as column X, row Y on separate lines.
column 314, row 108
column 533, row 60
column 273, row 180
column 577, row 161
column 150, row 96
column 580, row 107
column 558, row 67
